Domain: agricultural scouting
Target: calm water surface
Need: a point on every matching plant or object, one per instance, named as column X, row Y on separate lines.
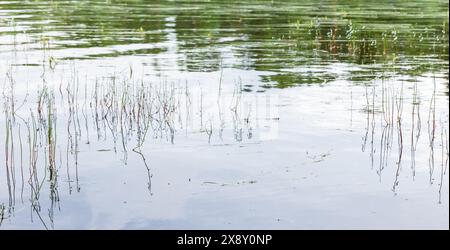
column 224, row 114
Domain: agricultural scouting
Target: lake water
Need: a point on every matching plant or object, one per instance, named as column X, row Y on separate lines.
column 224, row 114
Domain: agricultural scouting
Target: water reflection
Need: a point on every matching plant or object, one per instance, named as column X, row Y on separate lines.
column 54, row 114
column 124, row 111
column 390, row 112
column 281, row 37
